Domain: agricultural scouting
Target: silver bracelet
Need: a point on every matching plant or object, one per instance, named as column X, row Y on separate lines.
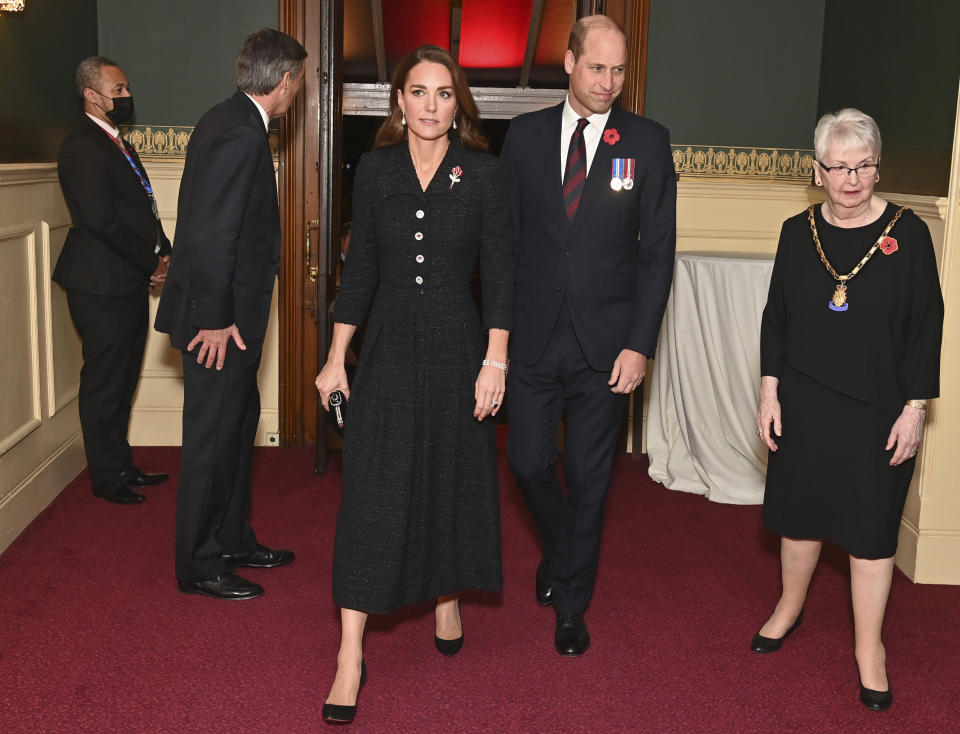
column 492, row 363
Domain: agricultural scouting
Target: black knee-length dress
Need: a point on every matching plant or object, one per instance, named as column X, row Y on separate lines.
column 845, row 375
column 420, row 511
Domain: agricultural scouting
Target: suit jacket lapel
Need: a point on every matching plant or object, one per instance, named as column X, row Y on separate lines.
column 550, row 171
column 598, row 180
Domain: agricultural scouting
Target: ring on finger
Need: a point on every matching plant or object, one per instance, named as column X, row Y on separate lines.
column 494, row 404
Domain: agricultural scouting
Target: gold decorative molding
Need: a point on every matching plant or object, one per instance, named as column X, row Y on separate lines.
column 170, row 141
column 787, row 165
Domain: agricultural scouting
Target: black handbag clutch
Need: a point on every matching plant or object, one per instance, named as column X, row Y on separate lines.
column 338, row 407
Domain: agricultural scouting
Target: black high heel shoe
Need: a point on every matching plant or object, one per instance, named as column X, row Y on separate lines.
column 763, row 644
column 874, row 700
column 450, row 647
column 336, row 714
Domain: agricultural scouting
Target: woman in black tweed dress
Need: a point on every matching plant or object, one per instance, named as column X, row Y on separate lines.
column 420, row 512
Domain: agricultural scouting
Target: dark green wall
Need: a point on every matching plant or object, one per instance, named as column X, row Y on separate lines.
column 179, row 54
column 900, row 63
column 735, row 72
column 39, row 52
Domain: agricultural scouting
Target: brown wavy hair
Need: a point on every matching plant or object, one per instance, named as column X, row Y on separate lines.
column 467, row 117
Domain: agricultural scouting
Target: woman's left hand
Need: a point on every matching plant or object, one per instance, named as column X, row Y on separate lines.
column 906, row 434
column 488, row 391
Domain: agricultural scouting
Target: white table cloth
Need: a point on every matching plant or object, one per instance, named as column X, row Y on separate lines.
column 701, row 420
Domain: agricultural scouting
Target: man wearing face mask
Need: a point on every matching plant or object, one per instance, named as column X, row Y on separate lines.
column 115, row 251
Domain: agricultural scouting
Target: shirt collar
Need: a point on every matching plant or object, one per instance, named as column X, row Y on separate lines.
column 114, row 132
column 263, row 113
column 596, row 121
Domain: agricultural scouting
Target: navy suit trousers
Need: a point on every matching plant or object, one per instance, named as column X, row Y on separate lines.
column 569, row 525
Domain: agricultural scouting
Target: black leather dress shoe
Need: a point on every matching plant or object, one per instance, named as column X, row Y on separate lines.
column 876, row 700
column 571, row 637
column 762, row 644
column 262, row 557
column 544, row 589
column 226, row 586
column 134, row 476
column 116, row 490
column 336, row 714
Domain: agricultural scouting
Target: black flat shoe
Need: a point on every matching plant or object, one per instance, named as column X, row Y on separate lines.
column 260, row 557
column 876, row 700
column 336, row 714
column 544, row 589
column 135, row 476
column 769, row 644
column 226, row 586
column 571, row 637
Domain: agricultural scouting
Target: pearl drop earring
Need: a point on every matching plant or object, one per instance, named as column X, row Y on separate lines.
column 403, row 115
column 454, row 123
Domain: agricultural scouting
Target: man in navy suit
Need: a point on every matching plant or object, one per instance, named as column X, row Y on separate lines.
column 594, row 205
column 215, row 307
column 115, row 251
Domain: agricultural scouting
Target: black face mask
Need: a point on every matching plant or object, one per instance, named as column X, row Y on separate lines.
column 122, row 110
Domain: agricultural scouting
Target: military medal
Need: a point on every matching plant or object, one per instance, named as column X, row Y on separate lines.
column 629, row 165
column 838, row 302
column 616, row 174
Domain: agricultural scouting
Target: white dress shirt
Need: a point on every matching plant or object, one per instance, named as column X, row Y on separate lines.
column 105, row 125
column 263, row 113
column 591, row 133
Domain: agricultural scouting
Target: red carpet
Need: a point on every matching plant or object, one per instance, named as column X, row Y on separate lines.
column 94, row 636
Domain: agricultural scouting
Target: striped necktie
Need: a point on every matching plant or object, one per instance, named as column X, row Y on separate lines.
column 575, row 174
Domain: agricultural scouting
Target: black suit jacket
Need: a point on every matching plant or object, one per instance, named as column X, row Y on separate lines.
column 111, row 247
column 615, row 285
column 228, row 229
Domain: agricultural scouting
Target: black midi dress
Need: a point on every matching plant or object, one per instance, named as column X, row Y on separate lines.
column 420, row 514
column 845, row 375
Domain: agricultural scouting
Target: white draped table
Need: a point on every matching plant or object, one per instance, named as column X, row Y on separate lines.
column 701, row 418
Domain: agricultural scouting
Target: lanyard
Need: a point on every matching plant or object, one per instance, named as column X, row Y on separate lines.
column 136, row 169
column 133, row 165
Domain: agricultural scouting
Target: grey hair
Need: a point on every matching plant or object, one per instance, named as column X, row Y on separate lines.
column 264, row 58
column 88, row 73
column 849, row 128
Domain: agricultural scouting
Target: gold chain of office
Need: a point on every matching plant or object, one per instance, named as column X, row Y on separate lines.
column 840, row 294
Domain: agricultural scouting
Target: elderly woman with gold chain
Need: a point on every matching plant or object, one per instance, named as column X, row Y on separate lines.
column 850, row 355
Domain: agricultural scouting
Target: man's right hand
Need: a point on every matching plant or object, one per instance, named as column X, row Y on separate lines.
column 213, row 345
column 160, row 274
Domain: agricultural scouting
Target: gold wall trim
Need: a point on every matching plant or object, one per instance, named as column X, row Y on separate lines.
column 787, row 165
column 169, row 141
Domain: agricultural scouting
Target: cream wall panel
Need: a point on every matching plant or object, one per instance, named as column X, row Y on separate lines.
column 156, row 417
column 64, row 349
column 20, row 368
column 40, row 365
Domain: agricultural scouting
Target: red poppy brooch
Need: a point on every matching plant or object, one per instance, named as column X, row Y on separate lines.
column 611, row 136
column 888, row 246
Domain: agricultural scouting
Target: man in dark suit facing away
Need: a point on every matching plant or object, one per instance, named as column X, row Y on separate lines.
column 115, row 250
column 215, row 306
column 594, row 206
